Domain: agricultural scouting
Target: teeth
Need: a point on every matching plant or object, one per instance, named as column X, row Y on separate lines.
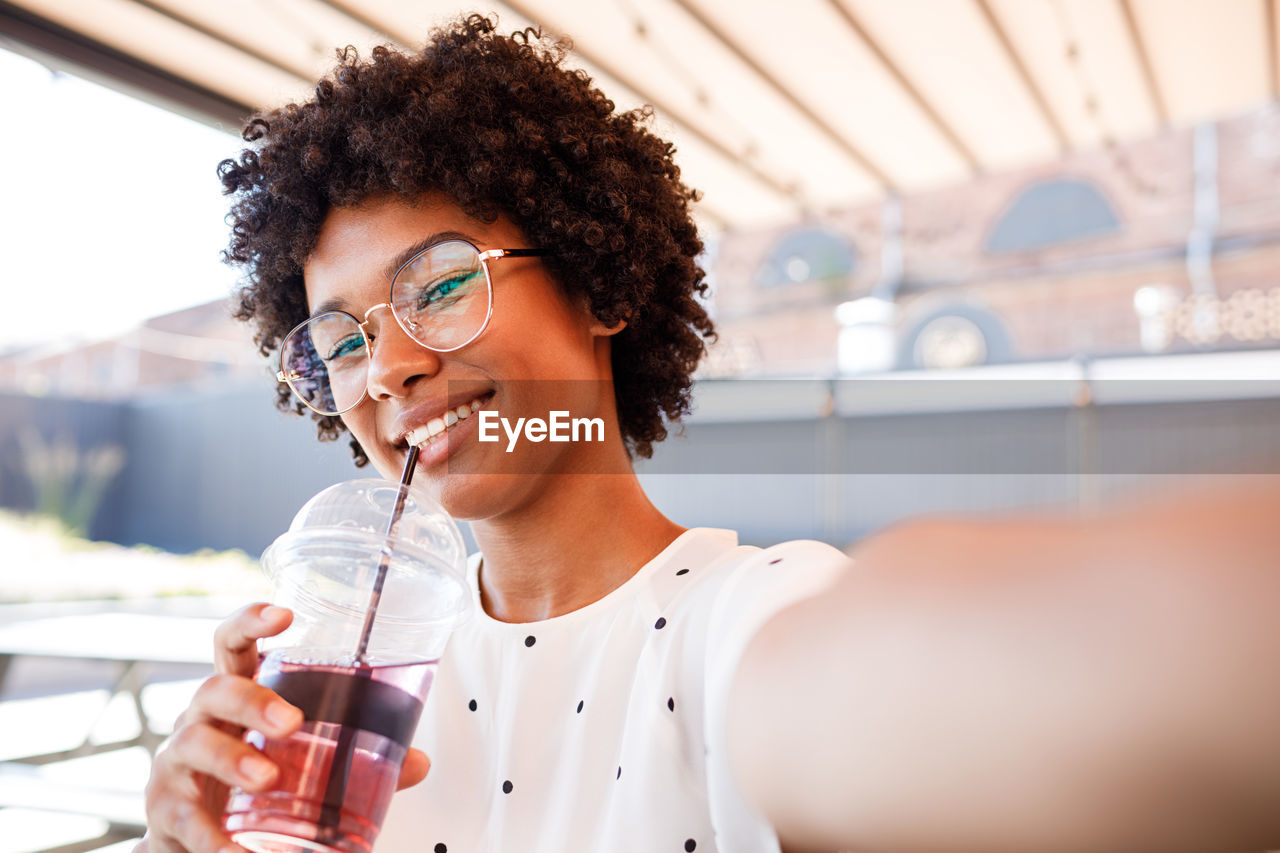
column 437, row 427
column 416, row 436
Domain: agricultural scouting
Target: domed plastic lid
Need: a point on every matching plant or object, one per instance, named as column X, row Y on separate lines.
column 327, row 566
column 366, row 505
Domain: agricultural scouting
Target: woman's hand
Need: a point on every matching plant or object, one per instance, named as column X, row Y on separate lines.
column 206, row 755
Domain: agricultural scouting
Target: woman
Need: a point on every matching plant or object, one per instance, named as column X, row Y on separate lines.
column 474, row 230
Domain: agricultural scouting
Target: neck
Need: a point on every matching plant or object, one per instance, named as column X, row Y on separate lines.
column 553, row 556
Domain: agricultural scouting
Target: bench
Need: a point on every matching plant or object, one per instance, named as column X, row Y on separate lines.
column 129, row 643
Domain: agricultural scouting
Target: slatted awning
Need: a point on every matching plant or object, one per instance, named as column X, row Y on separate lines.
column 777, row 108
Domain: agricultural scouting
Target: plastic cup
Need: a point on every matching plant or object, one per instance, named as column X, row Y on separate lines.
column 338, row 772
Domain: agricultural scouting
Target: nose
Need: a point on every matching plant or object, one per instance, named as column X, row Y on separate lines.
column 396, row 361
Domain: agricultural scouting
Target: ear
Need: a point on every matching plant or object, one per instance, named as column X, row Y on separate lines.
column 599, row 329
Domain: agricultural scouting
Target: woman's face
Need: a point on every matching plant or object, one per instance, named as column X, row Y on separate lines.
column 536, row 333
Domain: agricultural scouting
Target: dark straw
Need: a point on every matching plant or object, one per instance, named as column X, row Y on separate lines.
column 409, row 465
column 329, row 828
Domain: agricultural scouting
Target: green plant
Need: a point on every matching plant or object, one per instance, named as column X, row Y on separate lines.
column 69, row 482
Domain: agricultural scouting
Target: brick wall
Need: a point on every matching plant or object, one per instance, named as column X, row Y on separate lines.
column 1059, row 301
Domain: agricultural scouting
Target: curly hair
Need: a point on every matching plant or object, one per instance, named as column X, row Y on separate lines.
column 498, row 124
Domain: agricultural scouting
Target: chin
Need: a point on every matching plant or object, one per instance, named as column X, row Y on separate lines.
column 476, row 497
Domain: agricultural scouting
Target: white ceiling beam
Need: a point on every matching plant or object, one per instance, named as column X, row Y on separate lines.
column 913, row 94
column 1272, row 18
column 841, row 142
column 1143, row 55
column 57, row 46
column 160, row 41
column 684, row 121
column 1209, row 57
column 1015, row 59
column 355, row 13
column 303, row 74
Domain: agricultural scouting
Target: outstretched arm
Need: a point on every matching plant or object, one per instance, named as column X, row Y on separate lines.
column 1070, row 684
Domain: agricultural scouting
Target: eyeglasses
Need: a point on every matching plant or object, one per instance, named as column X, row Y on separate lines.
column 442, row 297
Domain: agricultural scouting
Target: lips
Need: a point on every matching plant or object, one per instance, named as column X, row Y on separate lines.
column 439, row 423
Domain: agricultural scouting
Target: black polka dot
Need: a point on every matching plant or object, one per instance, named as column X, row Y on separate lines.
column 671, row 703
column 682, row 572
column 472, row 705
column 772, row 563
column 530, row 640
column 579, row 706
column 507, row 786
column 689, row 845
column 440, row 848
column 661, row 623
column 619, row 776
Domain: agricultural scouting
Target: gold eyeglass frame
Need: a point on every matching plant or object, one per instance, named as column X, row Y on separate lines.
column 289, row 377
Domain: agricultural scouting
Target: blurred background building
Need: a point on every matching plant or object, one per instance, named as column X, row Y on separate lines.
column 200, row 345
column 1166, row 244
column 1087, row 256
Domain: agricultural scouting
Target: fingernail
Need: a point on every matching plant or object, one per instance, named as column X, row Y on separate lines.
column 271, row 613
column 283, row 715
column 256, row 769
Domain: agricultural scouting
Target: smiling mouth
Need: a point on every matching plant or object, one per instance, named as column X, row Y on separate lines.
column 435, row 429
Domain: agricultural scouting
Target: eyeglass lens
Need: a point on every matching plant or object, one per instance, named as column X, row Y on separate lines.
column 440, row 298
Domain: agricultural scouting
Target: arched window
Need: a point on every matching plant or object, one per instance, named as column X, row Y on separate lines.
column 956, row 334
column 808, row 254
column 1051, row 212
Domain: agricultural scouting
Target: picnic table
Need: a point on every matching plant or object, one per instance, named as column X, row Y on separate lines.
column 131, row 644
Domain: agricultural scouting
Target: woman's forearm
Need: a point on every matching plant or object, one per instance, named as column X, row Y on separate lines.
column 1107, row 683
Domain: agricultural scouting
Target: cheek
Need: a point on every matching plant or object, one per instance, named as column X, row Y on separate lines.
column 362, row 427
column 547, row 327
column 558, row 348
column 355, row 423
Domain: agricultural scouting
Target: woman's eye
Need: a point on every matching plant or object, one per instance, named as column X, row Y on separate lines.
column 347, row 346
column 436, row 293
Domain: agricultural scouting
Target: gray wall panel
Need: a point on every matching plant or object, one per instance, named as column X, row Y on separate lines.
column 86, row 424
column 224, row 469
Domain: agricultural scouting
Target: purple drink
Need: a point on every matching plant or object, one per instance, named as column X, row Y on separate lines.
column 376, row 580
column 338, row 772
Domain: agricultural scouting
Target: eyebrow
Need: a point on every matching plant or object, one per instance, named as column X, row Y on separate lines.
column 393, row 266
column 403, row 256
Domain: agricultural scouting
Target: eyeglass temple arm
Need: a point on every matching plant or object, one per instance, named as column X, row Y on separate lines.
column 493, row 254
